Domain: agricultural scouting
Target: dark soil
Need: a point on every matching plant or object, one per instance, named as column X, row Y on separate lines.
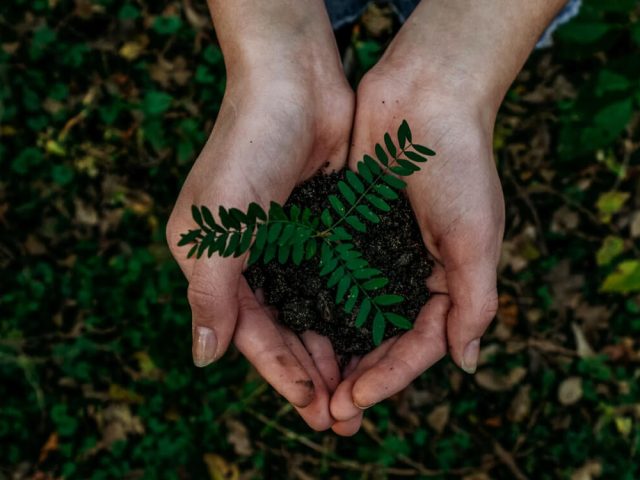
column 394, row 246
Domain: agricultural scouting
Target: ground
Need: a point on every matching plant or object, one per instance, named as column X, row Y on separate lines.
column 103, row 106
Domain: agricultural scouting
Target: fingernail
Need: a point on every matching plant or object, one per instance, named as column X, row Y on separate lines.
column 470, row 356
column 363, row 408
column 204, row 346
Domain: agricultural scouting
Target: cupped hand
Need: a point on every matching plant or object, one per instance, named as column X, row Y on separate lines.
column 277, row 126
column 458, row 203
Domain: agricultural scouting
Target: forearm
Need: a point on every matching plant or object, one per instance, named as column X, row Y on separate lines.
column 259, row 35
column 474, row 47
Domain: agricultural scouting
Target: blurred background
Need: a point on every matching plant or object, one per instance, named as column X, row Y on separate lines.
column 104, row 105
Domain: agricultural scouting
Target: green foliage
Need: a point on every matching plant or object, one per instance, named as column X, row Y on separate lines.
column 296, row 234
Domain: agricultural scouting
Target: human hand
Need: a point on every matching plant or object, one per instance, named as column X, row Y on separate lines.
column 458, row 203
column 287, row 111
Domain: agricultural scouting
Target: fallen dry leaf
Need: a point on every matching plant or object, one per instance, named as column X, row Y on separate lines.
column 238, row 436
column 439, row 417
column 219, row 468
column 491, row 380
column 582, row 345
column 588, row 471
column 570, row 391
column 520, row 407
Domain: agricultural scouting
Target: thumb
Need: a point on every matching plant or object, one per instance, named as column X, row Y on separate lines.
column 213, row 298
column 474, row 303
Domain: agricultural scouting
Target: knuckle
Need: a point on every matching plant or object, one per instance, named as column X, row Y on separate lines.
column 200, row 299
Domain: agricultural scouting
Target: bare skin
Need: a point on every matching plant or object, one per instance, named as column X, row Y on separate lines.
column 446, row 72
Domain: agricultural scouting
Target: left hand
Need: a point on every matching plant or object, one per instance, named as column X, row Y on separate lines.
column 458, row 202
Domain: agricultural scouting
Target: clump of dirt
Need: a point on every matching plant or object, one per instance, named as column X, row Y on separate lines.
column 394, row 246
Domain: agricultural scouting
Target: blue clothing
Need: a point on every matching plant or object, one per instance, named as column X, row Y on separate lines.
column 342, row 12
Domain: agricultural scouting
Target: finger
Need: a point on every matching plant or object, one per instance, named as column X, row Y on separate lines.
column 316, row 414
column 437, row 281
column 350, row 427
column 342, row 406
column 474, row 300
column 324, row 358
column 213, row 298
column 413, row 353
column 261, row 342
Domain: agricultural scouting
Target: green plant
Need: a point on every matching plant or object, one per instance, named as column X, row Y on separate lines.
column 298, row 235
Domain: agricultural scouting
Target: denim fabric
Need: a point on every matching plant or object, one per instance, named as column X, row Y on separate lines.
column 342, row 12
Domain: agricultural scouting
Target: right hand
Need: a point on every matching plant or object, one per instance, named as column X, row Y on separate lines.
column 280, row 122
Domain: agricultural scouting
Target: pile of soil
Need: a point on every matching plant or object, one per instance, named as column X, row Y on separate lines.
column 394, row 246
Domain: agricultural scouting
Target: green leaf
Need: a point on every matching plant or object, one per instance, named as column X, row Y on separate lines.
column 238, row 215
column 325, row 216
column 402, row 171
column 423, row 150
column 197, row 216
column 364, row 172
column 610, row 249
column 287, row 233
column 294, row 213
column 337, row 205
column 274, row 232
column 270, row 252
column 234, row 241
column 354, row 181
column 276, row 212
column 404, row 134
column 340, row 234
column 310, row 249
column 391, row 148
column 155, row 103
column 255, row 211
column 363, row 312
column 380, row 153
column 351, row 299
column 328, row 266
column 367, row 213
column 386, row 192
column 190, row 236
column 283, row 253
column 365, row 273
column 245, row 240
column 297, row 253
column 192, row 251
column 167, row 25
column 356, row 223
column 375, row 283
column 227, row 220
column 626, row 278
column 414, row 157
column 346, row 191
column 378, row 202
column 398, row 320
column 343, row 286
column 386, row 300
column 356, row 264
column 394, row 182
column 208, row 217
column 335, row 277
column 378, row 328
column 610, row 203
column 408, row 165
column 372, row 165
column 254, row 256
column 261, row 237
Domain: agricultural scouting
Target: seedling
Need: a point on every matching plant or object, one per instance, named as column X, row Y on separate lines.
column 299, row 235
